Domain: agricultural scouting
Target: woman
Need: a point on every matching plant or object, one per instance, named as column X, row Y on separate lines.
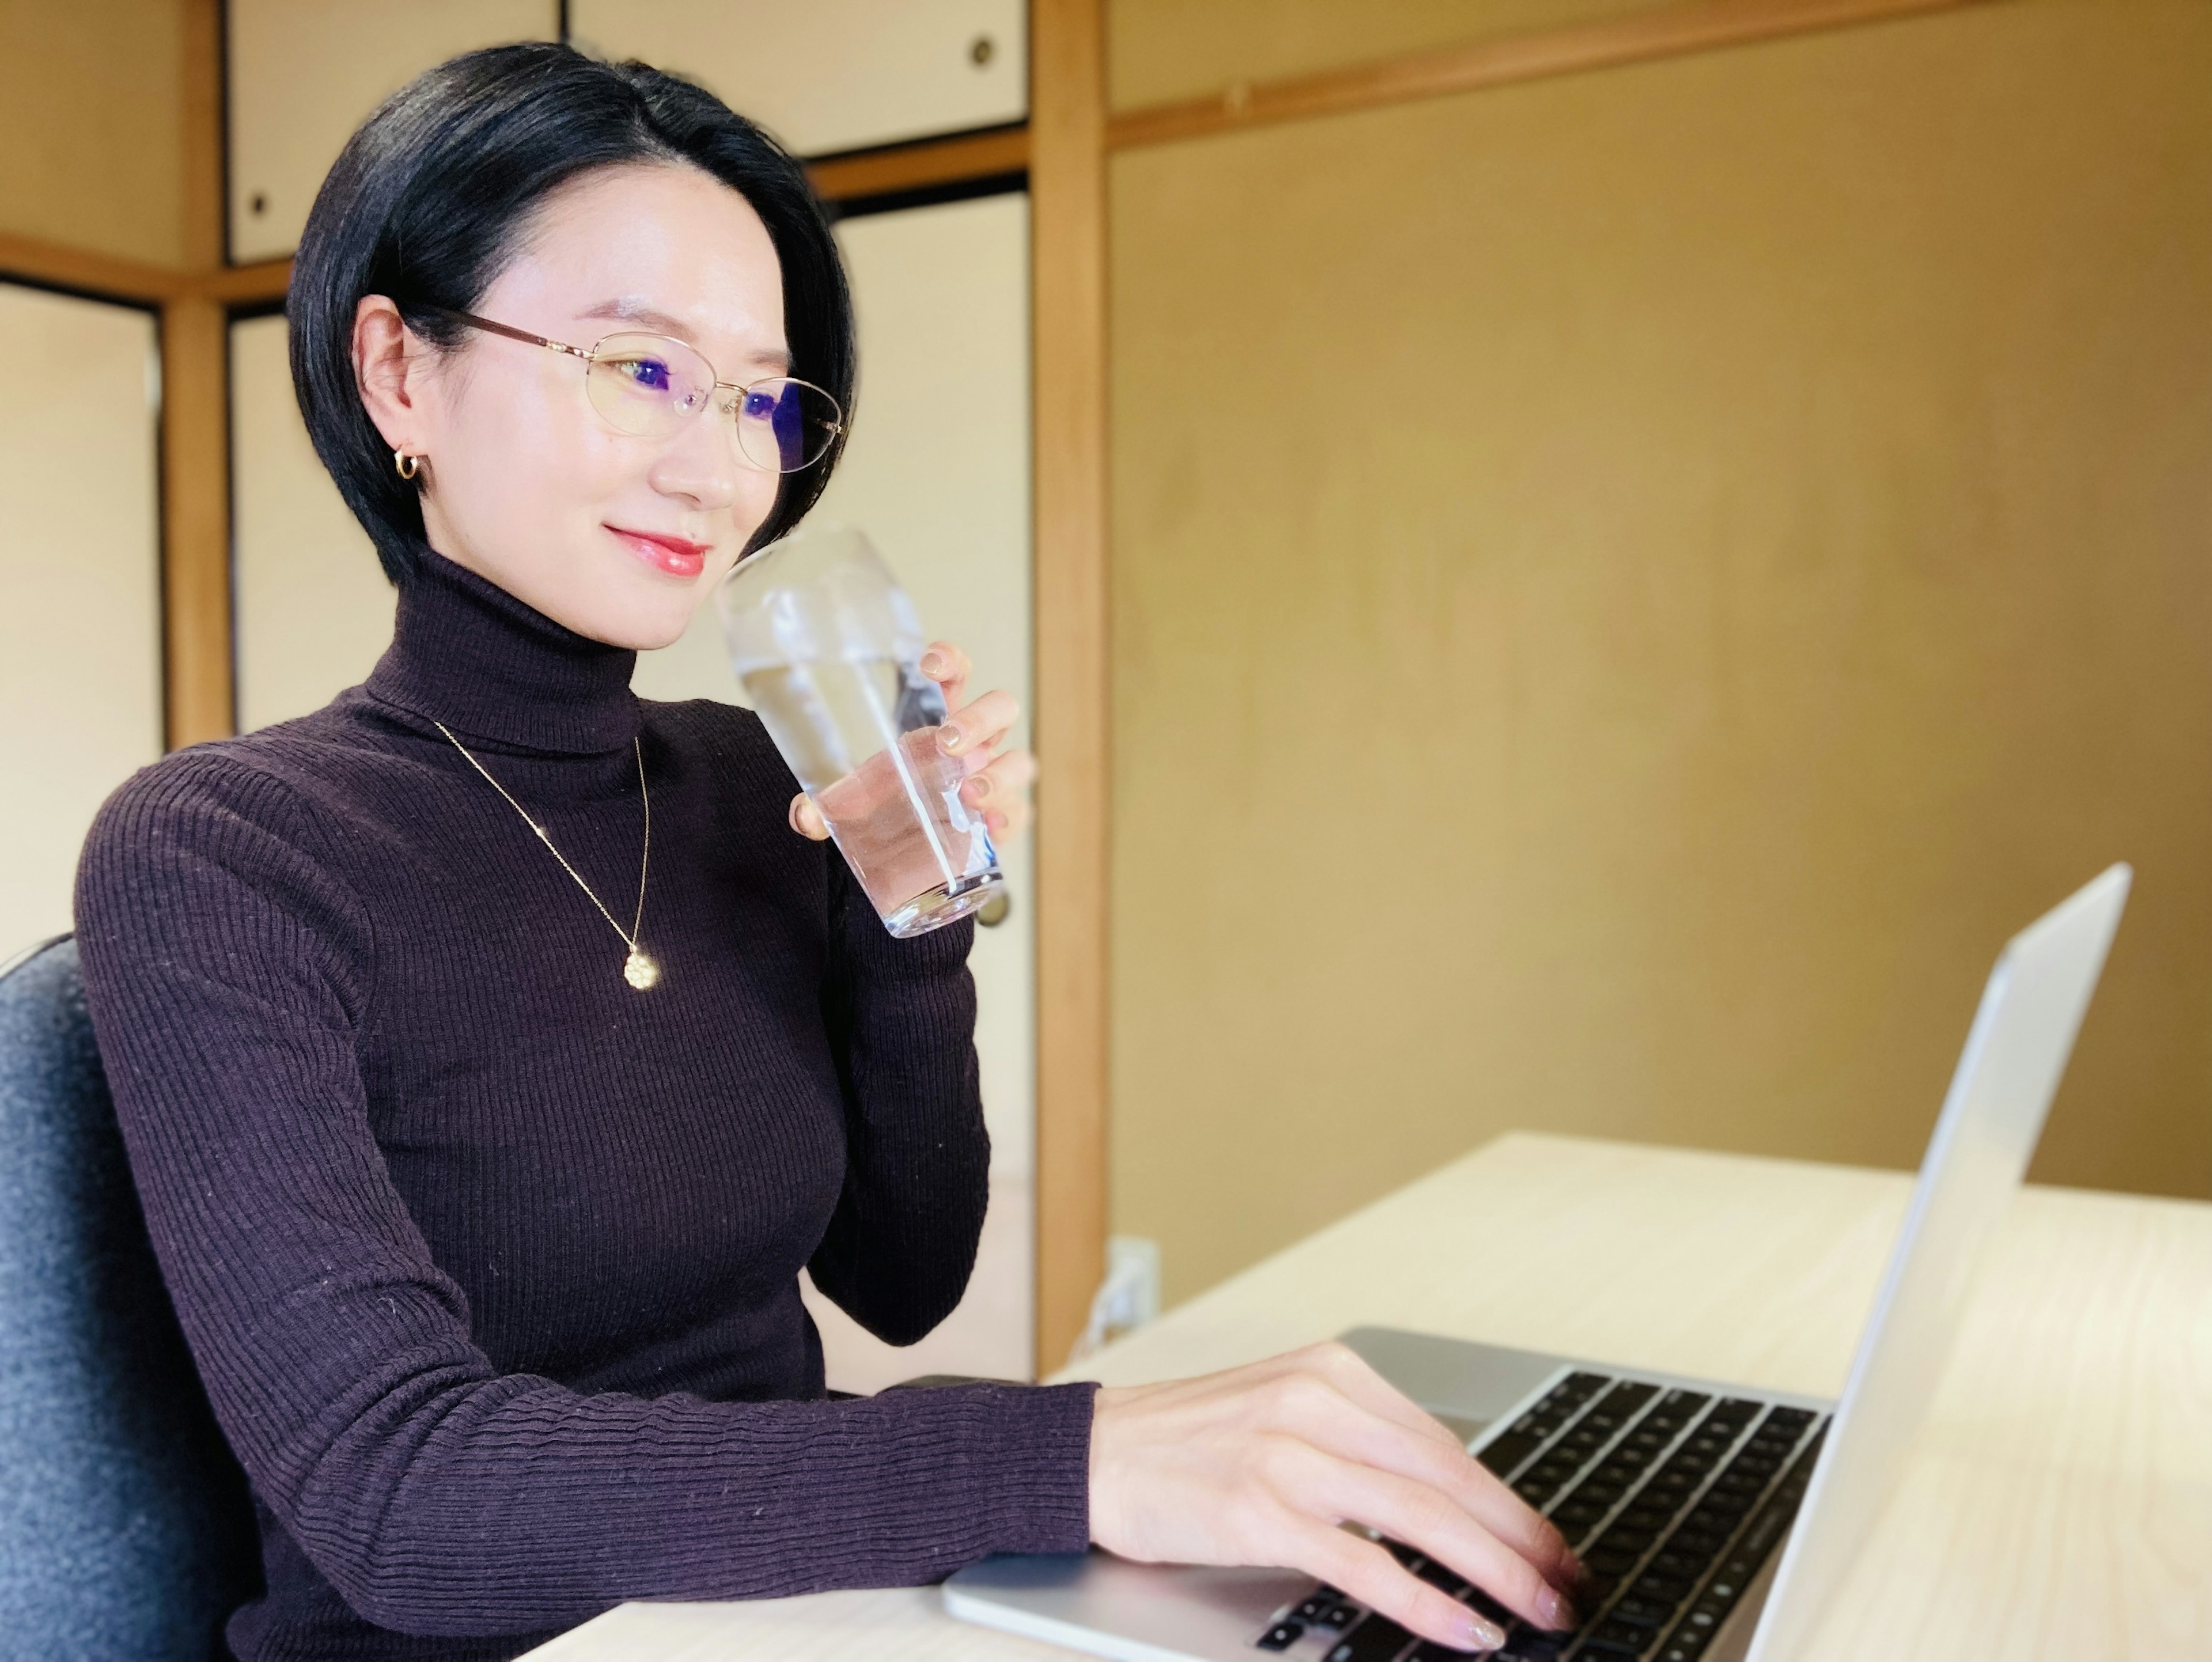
column 481, row 1178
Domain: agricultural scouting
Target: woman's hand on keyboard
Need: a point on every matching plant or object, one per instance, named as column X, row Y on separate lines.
column 1260, row 1465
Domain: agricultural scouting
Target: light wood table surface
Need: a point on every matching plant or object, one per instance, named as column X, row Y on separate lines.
column 2058, row 1504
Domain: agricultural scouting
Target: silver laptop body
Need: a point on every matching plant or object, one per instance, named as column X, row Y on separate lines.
column 1826, row 1475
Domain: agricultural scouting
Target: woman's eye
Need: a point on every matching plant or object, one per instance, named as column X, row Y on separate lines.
column 651, row 374
column 759, row 406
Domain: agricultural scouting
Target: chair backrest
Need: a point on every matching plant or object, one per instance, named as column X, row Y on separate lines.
column 125, row 1527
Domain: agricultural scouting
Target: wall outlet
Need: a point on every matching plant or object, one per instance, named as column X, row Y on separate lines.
column 1128, row 1297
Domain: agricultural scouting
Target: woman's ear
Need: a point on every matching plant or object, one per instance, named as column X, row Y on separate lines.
column 388, row 365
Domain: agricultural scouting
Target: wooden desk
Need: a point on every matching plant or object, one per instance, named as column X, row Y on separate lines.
column 2059, row 1504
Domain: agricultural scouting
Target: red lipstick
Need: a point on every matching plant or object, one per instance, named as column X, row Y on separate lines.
column 678, row 556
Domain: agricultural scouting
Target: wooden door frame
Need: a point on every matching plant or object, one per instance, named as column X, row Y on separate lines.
column 1068, row 208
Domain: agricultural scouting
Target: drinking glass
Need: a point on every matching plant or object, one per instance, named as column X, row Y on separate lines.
column 828, row 648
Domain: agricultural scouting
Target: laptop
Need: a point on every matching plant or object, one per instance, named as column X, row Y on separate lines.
column 1719, row 1520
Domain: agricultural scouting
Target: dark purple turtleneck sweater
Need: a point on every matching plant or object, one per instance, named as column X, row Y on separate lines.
column 490, row 1262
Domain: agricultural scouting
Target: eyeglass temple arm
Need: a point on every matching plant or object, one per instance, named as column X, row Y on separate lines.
column 523, row 335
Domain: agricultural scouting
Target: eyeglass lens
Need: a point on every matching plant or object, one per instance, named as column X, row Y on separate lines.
column 650, row 385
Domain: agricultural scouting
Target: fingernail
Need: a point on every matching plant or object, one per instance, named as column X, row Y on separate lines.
column 980, row 786
column 1477, row 1633
column 933, row 664
column 1554, row 1610
column 951, row 738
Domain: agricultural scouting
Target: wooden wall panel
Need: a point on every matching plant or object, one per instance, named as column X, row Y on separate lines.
column 1617, row 32
column 94, row 94
column 1628, row 588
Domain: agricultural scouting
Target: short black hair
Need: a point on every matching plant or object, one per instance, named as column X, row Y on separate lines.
column 425, row 204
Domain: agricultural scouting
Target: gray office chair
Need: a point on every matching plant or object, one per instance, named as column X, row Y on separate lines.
column 125, row 1529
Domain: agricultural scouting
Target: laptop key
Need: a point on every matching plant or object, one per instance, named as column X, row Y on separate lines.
column 1503, row 1454
column 1645, row 1612
column 1441, row 1576
column 1484, row 1605
column 1378, row 1639
column 1282, row 1635
column 1620, row 1639
column 1610, row 1561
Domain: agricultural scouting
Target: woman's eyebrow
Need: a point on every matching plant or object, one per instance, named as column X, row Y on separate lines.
column 632, row 311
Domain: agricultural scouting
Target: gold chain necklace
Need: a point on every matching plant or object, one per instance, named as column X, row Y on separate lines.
column 638, row 969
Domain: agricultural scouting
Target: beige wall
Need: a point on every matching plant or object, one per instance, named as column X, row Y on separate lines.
column 1628, row 588
column 80, row 630
column 91, row 125
column 311, row 609
column 303, row 74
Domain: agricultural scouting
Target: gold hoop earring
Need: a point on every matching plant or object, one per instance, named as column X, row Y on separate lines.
column 407, row 465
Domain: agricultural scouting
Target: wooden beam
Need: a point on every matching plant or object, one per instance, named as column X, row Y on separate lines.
column 245, row 285
column 196, row 418
column 1068, row 195
column 919, row 166
column 60, row 267
column 1668, row 32
column 196, row 519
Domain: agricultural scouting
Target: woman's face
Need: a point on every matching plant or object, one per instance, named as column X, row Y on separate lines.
column 616, row 536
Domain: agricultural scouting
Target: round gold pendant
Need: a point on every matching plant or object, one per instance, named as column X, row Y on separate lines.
column 639, row 970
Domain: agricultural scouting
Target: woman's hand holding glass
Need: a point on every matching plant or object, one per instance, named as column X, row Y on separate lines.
column 998, row 781
column 1260, row 1464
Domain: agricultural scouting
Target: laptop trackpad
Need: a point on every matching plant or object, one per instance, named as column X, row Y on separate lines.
column 1466, row 1385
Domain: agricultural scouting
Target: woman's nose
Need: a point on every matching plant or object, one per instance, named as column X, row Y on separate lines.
column 701, row 461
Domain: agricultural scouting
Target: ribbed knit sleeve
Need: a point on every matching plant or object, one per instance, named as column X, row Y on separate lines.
column 901, row 1016
column 225, row 964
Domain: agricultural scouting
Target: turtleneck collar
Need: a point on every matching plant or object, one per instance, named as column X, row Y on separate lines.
column 468, row 654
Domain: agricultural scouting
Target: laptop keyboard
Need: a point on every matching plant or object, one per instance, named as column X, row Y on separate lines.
column 1673, row 1498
